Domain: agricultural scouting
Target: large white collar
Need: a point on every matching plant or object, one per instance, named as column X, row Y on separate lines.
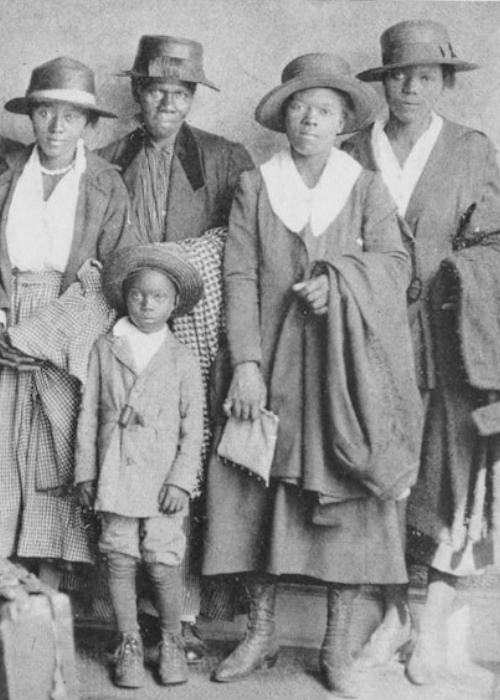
column 295, row 204
column 401, row 181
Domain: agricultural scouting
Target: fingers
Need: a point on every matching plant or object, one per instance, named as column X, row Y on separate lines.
column 314, row 293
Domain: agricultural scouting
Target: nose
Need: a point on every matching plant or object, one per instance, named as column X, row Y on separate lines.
column 168, row 100
column 55, row 123
column 310, row 116
column 410, row 85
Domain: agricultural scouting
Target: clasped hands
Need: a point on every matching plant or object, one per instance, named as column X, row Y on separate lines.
column 171, row 499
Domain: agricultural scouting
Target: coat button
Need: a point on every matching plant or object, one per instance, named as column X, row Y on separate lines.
column 129, row 462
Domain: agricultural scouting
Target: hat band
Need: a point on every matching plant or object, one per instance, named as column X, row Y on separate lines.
column 418, row 53
column 169, row 67
column 77, row 97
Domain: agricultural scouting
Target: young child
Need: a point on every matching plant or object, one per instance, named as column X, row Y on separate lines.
column 138, row 444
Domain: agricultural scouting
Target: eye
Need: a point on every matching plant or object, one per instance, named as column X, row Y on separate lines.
column 397, row 75
column 159, row 296
column 155, row 93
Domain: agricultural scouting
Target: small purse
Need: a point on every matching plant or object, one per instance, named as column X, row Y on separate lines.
column 250, row 444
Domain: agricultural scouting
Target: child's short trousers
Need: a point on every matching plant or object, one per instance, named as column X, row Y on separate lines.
column 153, row 540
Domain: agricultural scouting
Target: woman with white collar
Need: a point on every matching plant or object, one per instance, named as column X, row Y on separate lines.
column 308, row 203
column 444, row 179
column 60, row 206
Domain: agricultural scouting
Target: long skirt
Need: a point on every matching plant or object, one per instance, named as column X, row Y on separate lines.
column 33, row 522
column 280, row 530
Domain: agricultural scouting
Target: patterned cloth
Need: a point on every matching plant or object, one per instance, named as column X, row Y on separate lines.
column 200, row 330
column 35, row 523
column 149, row 199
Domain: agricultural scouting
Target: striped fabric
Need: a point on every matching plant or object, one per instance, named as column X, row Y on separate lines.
column 149, row 199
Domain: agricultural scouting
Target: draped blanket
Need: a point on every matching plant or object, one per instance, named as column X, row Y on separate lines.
column 344, row 387
column 457, row 499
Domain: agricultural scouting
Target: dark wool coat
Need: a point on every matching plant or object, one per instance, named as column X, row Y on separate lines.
column 102, row 220
column 461, row 169
column 204, row 173
column 281, row 529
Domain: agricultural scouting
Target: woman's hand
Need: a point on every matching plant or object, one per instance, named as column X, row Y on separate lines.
column 172, row 499
column 247, row 394
column 85, row 493
column 314, row 293
column 13, row 358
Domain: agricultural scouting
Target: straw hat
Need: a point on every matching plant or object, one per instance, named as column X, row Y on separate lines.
column 163, row 57
column 61, row 80
column 168, row 258
column 415, row 42
column 317, row 70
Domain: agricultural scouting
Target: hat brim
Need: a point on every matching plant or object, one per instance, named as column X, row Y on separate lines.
column 24, row 105
column 168, row 258
column 374, row 74
column 269, row 111
column 164, row 78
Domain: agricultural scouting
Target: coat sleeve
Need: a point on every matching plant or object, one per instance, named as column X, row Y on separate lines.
column 241, row 275
column 86, row 464
column 487, row 184
column 187, row 463
column 381, row 229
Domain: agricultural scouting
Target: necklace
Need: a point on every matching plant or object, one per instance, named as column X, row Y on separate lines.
column 56, row 171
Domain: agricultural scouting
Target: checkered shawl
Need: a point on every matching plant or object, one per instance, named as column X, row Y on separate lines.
column 200, row 330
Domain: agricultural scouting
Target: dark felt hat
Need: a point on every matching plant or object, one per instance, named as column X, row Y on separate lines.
column 318, row 70
column 168, row 258
column 164, row 57
column 60, row 80
column 415, row 42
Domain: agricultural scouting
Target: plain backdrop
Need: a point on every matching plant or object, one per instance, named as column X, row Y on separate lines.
column 247, row 43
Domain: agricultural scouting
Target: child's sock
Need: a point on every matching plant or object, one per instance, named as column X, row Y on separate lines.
column 121, row 579
column 167, row 586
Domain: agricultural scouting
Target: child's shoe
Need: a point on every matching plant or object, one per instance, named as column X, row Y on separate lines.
column 173, row 665
column 129, row 661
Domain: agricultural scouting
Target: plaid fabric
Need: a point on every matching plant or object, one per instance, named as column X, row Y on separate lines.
column 200, row 330
column 35, row 523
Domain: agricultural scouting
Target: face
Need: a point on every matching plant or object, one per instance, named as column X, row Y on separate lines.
column 412, row 93
column 164, row 107
column 57, row 128
column 150, row 297
column 313, row 119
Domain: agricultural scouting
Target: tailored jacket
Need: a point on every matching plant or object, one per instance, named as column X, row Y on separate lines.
column 264, row 259
column 204, row 173
column 461, row 170
column 102, row 221
column 137, row 431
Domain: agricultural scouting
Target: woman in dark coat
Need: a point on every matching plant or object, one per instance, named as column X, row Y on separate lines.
column 60, row 206
column 310, row 234
column 444, row 179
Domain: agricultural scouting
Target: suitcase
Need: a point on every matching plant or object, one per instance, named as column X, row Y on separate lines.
column 37, row 658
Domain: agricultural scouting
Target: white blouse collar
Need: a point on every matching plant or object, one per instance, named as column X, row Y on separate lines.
column 401, row 181
column 295, row 204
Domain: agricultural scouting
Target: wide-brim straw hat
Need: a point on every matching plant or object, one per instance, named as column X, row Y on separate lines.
column 169, row 57
column 318, row 70
column 413, row 43
column 168, row 258
column 62, row 80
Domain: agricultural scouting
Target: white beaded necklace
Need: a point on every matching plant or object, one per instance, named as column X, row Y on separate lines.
column 56, row 171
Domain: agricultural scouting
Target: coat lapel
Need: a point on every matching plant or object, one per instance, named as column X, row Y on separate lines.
column 121, row 350
column 430, row 181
